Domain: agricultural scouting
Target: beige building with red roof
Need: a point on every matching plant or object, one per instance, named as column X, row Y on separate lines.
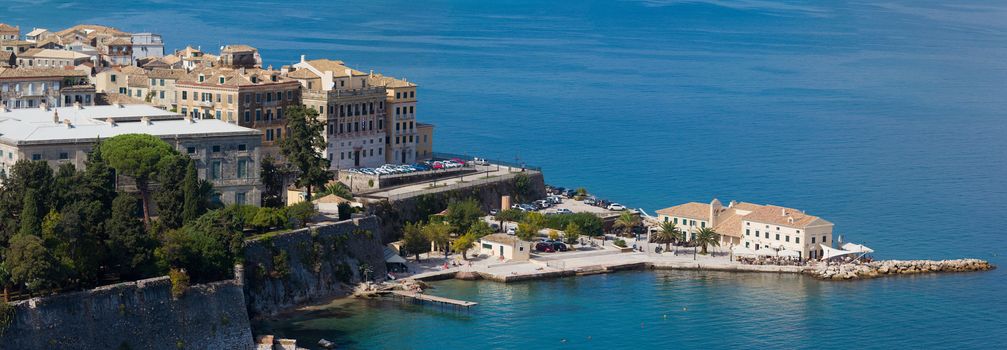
column 757, row 227
column 9, row 32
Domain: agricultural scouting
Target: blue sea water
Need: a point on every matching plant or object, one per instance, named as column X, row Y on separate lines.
column 888, row 118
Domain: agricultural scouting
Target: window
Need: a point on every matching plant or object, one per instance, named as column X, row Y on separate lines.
column 269, row 135
column 824, row 240
column 797, row 239
column 239, row 198
column 216, row 148
column 279, row 113
column 756, row 234
column 812, row 240
column 702, row 224
column 746, row 244
column 162, row 94
column 412, row 94
column 241, row 171
column 190, row 150
column 397, row 94
column 64, row 155
column 788, row 238
column 242, row 147
column 258, row 114
column 777, row 236
column 767, row 234
column 185, row 95
column 36, row 156
column 748, row 232
column 215, row 170
column 112, row 78
column 221, row 80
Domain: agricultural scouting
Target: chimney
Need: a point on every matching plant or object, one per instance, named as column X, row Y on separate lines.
column 302, row 58
column 783, row 211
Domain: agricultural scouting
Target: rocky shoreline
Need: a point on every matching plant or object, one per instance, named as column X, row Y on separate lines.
column 874, row 269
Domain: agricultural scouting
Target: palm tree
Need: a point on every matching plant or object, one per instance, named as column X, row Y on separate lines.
column 626, row 222
column 707, row 236
column 669, row 234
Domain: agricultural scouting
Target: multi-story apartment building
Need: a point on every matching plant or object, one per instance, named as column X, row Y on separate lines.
column 51, row 58
column 116, row 79
column 147, row 45
column 227, row 155
column 401, row 144
column 353, row 110
column 116, row 52
column 756, row 227
column 254, row 98
column 162, row 87
column 37, row 34
column 16, row 46
column 9, row 32
column 33, row 87
column 240, row 56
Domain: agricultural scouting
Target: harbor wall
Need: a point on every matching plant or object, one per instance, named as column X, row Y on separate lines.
column 293, row 268
column 134, row 315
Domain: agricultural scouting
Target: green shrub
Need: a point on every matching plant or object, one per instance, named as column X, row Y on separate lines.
column 6, row 316
column 620, row 243
column 589, row 224
column 301, row 213
column 179, row 282
column 281, row 268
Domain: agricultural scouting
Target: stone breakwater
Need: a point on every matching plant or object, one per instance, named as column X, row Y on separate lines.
column 896, row 267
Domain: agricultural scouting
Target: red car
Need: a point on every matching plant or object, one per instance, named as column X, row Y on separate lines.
column 437, row 165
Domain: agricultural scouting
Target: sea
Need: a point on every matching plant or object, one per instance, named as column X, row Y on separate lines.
column 887, row 118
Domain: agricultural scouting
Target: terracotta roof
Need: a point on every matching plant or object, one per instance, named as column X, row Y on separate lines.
column 234, row 76
column 171, row 59
column 389, row 82
column 101, row 99
column 782, row 216
column 4, row 27
column 332, row 199
column 120, row 42
column 50, row 53
column 692, row 210
column 303, row 74
column 94, row 28
column 174, row 74
column 138, row 81
column 501, row 238
column 337, row 68
column 237, row 48
column 22, row 72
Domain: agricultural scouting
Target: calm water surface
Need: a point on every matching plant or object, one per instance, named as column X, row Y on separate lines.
column 887, row 118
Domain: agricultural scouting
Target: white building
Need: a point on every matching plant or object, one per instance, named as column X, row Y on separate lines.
column 147, row 45
column 506, row 247
column 54, row 87
column 226, row 154
column 754, row 226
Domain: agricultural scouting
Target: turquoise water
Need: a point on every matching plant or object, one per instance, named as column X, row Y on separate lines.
column 886, row 118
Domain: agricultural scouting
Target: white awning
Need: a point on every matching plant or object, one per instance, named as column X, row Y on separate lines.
column 830, row 252
column 392, row 257
column 766, row 251
column 790, row 253
column 857, row 248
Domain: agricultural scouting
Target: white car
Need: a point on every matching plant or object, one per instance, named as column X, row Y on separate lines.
column 616, row 207
column 510, row 231
column 564, row 211
column 479, row 161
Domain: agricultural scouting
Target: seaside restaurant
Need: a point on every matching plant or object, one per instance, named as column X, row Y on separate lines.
column 505, row 247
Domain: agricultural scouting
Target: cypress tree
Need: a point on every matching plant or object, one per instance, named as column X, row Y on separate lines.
column 130, row 246
column 194, row 205
column 31, row 214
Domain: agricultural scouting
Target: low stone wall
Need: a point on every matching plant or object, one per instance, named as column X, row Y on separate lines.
column 897, row 267
column 290, row 269
column 134, row 315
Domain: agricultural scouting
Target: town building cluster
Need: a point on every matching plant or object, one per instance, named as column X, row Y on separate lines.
column 60, row 91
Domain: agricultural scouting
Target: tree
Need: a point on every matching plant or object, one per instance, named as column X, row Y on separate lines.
column 706, row 236
column 414, row 240
column 171, row 196
column 552, row 234
column 30, row 264
column 98, row 182
column 572, row 232
column 506, row 215
column 462, row 214
column 302, row 148
column 668, row 234
column 301, row 213
column 626, row 222
column 344, row 210
column 194, row 199
column 272, row 178
column 464, row 243
column 440, row 234
column 480, row 229
column 267, row 218
column 31, row 213
column 528, row 228
column 206, row 248
column 522, row 187
column 132, row 247
column 139, row 156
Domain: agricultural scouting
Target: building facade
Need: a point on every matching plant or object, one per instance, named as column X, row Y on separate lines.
column 353, row 110
column 48, row 58
column 401, row 144
column 253, row 98
column 9, row 32
column 147, row 45
column 33, row 87
column 162, row 87
column 225, row 154
column 424, row 141
column 757, row 227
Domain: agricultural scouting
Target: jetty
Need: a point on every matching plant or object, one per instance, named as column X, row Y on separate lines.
column 433, row 298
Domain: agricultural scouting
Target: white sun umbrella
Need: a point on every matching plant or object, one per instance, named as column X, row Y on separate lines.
column 857, row 248
column 790, row 253
column 741, row 250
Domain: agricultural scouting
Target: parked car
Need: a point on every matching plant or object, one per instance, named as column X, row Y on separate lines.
column 559, row 246
column 542, row 203
column 554, row 199
column 570, row 193
column 494, row 212
column 510, row 231
column 546, row 247
column 480, row 161
column 590, row 201
column 616, row 207
column 564, row 211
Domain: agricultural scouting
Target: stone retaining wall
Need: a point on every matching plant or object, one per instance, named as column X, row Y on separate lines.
column 133, row 315
column 897, row 267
